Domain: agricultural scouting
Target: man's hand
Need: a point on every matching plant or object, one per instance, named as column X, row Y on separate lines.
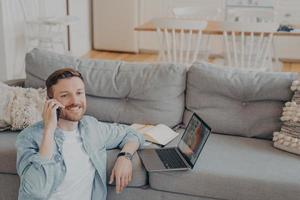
column 50, row 124
column 122, row 173
column 49, row 114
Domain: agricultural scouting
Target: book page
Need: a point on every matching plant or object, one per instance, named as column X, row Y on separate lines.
column 160, row 134
column 141, row 128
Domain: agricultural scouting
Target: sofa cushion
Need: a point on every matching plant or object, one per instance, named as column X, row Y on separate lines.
column 39, row 64
column 119, row 91
column 238, row 102
column 8, row 152
column 232, row 167
column 9, row 185
column 135, row 92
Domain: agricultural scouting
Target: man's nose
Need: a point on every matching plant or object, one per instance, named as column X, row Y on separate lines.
column 74, row 99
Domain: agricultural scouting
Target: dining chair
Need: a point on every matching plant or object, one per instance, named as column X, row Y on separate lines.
column 180, row 40
column 252, row 15
column 249, row 45
column 201, row 13
column 43, row 31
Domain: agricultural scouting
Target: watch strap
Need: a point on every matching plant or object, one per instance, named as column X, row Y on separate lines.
column 126, row 155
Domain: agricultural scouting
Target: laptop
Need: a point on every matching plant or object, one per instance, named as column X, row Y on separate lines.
column 184, row 155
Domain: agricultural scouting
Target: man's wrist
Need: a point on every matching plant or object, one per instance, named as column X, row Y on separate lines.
column 126, row 155
column 49, row 130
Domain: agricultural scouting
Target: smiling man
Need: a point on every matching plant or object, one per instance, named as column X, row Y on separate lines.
column 64, row 156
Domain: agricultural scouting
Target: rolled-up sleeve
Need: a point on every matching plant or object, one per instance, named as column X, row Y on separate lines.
column 37, row 174
column 117, row 135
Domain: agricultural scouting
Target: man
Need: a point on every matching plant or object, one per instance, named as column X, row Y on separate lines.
column 64, row 157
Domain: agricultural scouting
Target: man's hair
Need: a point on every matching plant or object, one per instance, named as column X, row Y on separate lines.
column 58, row 75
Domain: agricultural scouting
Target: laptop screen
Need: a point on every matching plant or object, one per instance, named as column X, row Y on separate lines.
column 193, row 139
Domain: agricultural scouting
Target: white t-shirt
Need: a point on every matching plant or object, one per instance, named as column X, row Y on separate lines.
column 80, row 172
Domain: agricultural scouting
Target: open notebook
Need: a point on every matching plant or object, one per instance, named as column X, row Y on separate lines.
column 159, row 134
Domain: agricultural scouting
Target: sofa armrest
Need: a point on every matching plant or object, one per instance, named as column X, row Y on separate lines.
column 15, row 82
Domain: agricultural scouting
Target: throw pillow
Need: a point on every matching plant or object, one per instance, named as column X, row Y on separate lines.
column 20, row 107
column 5, row 97
column 288, row 138
column 236, row 102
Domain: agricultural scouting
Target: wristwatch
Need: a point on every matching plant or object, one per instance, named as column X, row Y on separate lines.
column 126, row 155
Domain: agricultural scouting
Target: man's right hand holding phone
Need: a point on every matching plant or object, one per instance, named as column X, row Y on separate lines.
column 50, row 114
column 50, row 124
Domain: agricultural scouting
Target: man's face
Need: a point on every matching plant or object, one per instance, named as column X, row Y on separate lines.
column 71, row 93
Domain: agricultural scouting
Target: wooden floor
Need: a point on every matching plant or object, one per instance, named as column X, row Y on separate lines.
column 288, row 65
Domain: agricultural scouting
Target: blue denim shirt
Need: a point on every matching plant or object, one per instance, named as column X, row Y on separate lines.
column 40, row 177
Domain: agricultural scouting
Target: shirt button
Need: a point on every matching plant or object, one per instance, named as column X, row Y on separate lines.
column 244, row 103
column 57, row 158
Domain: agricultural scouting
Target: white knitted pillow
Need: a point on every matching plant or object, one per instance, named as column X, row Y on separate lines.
column 288, row 138
column 21, row 107
column 6, row 96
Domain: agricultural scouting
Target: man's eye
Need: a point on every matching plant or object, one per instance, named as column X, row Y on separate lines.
column 63, row 96
column 80, row 93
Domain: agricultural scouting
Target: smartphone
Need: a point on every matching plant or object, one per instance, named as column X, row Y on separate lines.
column 58, row 111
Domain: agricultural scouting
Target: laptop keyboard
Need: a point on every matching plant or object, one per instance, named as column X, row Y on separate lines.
column 170, row 158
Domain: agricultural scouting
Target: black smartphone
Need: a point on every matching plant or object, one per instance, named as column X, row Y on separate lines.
column 58, row 111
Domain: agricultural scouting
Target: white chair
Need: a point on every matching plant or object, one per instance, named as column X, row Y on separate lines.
column 42, row 31
column 180, row 40
column 203, row 13
column 249, row 45
column 252, row 15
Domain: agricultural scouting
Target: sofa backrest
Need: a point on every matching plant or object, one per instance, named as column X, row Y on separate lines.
column 238, row 102
column 119, row 91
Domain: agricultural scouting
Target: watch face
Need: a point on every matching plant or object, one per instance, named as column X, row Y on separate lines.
column 128, row 155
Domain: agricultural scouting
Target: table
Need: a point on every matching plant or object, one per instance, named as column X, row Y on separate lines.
column 213, row 27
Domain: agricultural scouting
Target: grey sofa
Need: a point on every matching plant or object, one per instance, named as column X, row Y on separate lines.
column 243, row 109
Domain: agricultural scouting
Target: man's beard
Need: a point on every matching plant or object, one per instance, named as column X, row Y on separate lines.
column 67, row 114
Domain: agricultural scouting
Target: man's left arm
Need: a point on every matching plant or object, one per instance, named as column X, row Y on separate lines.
column 122, row 171
column 129, row 141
